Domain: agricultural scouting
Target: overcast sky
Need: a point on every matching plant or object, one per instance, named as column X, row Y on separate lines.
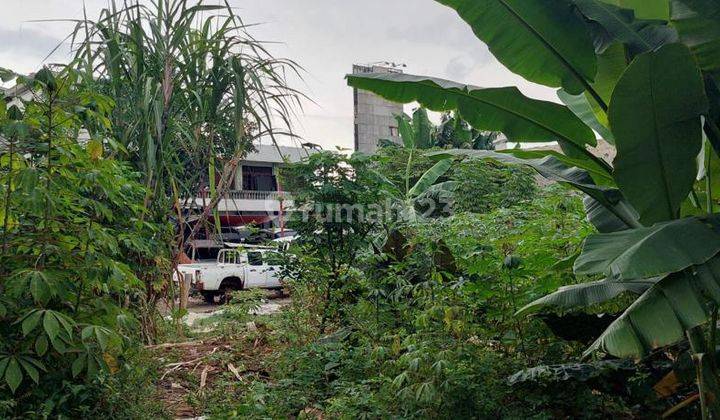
column 325, row 36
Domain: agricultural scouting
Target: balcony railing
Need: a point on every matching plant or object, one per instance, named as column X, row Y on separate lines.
column 251, row 195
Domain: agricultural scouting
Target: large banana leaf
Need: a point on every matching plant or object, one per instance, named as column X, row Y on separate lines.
column 663, row 314
column 580, row 106
column 494, row 109
column 407, row 134
column 621, row 25
column 422, row 129
column 652, row 251
column 698, row 23
column 611, row 65
column 606, row 220
column 658, row 133
column 584, row 295
column 543, row 41
column 645, row 9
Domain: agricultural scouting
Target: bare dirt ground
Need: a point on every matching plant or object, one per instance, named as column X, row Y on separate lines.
column 199, row 309
column 194, row 370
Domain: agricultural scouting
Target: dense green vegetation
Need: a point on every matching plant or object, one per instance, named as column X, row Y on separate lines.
column 452, row 132
column 425, row 326
column 95, row 161
column 425, row 282
column 650, row 84
column 78, row 259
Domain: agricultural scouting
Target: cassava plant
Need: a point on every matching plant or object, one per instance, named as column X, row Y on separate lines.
column 645, row 77
column 337, row 197
column 72, row 237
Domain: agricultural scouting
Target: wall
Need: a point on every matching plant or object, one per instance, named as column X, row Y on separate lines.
column 374, row 116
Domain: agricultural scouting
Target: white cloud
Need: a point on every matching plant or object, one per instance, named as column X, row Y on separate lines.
column 325, row 36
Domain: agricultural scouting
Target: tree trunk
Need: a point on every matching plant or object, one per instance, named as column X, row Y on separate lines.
column 229, row 169
column 706, row 371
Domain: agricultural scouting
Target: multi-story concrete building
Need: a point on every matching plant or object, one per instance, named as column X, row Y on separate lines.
column 374, row 116
column 255, row 195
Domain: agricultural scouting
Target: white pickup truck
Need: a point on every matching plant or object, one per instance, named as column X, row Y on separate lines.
column 235, row 269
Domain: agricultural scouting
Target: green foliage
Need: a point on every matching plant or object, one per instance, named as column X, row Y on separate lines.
column 668, row 155
column 581, row 372
column 338, row 197
column 696, row 23
column 493, row 109
column 659, row 77
column 74, row 247
column 483, row 185
column 556, row 48
column 655, row 166
column 193, row 90
column 418, row 132
column 454, row 132
column 423, row 336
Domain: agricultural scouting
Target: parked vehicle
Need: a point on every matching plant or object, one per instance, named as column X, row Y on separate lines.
column 234, row 269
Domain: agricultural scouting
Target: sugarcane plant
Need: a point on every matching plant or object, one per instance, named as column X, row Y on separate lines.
column 644, row 77
column 193, row 90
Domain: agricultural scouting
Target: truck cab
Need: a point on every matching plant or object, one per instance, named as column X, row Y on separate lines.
column 235, row 269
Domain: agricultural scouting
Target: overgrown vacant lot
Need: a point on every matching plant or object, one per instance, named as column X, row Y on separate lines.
column 572, row 273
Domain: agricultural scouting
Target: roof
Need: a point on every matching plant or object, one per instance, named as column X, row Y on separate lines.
column 20, row 90
column 269, row 153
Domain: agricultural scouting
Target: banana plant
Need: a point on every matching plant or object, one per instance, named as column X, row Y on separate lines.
column 414, row 137
column 644, row 75
column 454, row 132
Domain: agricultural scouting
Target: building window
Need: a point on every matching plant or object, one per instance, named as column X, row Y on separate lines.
column 393, row 131
column 258, row 178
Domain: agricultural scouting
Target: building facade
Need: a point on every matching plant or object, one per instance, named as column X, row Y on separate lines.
column 255, row 195
column 374, row 116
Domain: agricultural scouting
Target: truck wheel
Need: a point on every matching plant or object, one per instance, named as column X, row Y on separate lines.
column 208, row 297
column 228, row 286
column 225, row 295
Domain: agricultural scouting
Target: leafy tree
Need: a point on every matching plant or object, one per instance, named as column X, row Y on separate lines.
column 655, row 82
column 338, row 201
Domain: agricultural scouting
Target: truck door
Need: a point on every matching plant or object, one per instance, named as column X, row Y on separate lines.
column 272, row 266
column 254, row 275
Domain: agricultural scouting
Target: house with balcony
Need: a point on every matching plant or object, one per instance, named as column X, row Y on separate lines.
column 256, row 195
